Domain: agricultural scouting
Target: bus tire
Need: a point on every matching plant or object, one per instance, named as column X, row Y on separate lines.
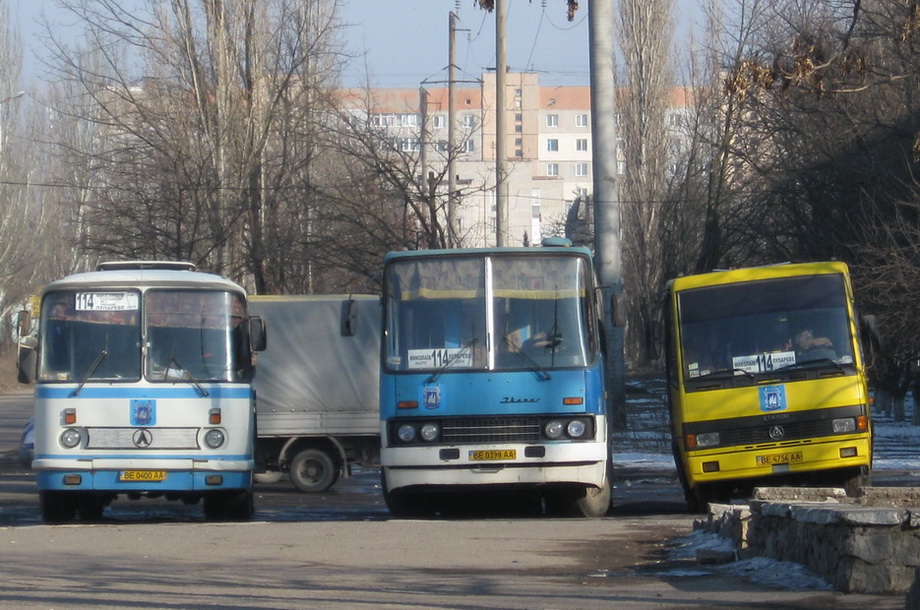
column 313, row 471
column 57, row 506
column 854, row 479
column 592, row 502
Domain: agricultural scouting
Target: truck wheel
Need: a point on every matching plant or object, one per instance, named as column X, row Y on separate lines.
column 57, row 506
column 313, row 471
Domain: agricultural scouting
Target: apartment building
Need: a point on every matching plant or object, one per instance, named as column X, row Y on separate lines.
column 548, row 149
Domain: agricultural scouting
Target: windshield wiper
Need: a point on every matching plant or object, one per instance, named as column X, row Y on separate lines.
column 89, row 373
column 182, row 374
column 541, row 374
column 450, row 361
column 725, row 373
column 820, row 362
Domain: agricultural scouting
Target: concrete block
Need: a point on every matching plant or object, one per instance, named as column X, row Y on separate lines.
column 799, row 494
column 858, row 515
column 912, row 601
column 872, row 547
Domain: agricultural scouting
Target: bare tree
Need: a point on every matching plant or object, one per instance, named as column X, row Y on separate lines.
column 645, row 36
column 205, row 116
column 21, row 220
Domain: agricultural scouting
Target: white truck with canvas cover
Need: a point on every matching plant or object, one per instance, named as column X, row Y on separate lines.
column 318, row 388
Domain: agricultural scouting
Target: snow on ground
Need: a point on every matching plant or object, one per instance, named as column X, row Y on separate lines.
column 646, row 445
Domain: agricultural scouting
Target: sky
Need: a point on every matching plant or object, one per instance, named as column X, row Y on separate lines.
column 403, row 43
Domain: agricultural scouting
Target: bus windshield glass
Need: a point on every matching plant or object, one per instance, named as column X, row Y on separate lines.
column 91, row 335
column 767, row 326
column 501, row 312
column 194, row 335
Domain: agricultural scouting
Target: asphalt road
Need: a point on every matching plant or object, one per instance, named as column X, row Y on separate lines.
column 341, row 549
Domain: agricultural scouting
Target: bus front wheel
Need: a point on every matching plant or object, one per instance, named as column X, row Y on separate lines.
column 591, row 502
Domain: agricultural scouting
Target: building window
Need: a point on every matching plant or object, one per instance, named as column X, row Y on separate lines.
column 581, row 169
column 518, row 129
column 469, row 120
column 468, row 146
column 581, row 144
column 383, row 120
column 439, row 121
column 518, row 92
column 552, row 120
column 518, row 117
column 519, row 141
column 552, row 145
column 581, row 120
column 552, row 169
column 407, row 120
column 407, row 144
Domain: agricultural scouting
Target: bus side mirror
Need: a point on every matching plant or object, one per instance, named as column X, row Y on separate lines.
column 26, row 364
column 349, row 318
column 870, row 331
column 258, row 336
column 23, row 323
column 618, row 309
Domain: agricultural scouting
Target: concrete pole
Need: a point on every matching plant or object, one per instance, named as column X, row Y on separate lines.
column 501, row 130
column 453, row 239
column 606, row 199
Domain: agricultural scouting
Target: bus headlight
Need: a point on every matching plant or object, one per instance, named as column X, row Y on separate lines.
column 406, row 433
column 553, row 429
column 429, row 432
column 708, row 439
column 70, row 438
column 576, row 428
column 214, row 438
column 844, row 425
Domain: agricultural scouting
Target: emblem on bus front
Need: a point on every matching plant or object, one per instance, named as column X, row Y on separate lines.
column 142, row 438
column 143, row 412
column 777, row 432
column 431, row 397
column 772, row 398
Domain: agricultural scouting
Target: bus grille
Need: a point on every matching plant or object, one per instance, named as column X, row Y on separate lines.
column 791, row 431
column 491, row 430
column 142, row 438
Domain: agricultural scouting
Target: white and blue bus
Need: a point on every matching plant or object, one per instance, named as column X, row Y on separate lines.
column 143, row 377
column 492, row 379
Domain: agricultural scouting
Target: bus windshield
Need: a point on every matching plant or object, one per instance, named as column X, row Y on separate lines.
column 191, row 335
column 765, row 327
column 194, row 336
column 90, row 335
column 501, row 312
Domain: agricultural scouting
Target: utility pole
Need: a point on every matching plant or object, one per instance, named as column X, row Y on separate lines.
column 453, row 239
column 501, row 118
column 606, row 201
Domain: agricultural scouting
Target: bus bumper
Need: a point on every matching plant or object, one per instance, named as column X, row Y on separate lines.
column 564, row 464
column 162, row 476
column 775, row 462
